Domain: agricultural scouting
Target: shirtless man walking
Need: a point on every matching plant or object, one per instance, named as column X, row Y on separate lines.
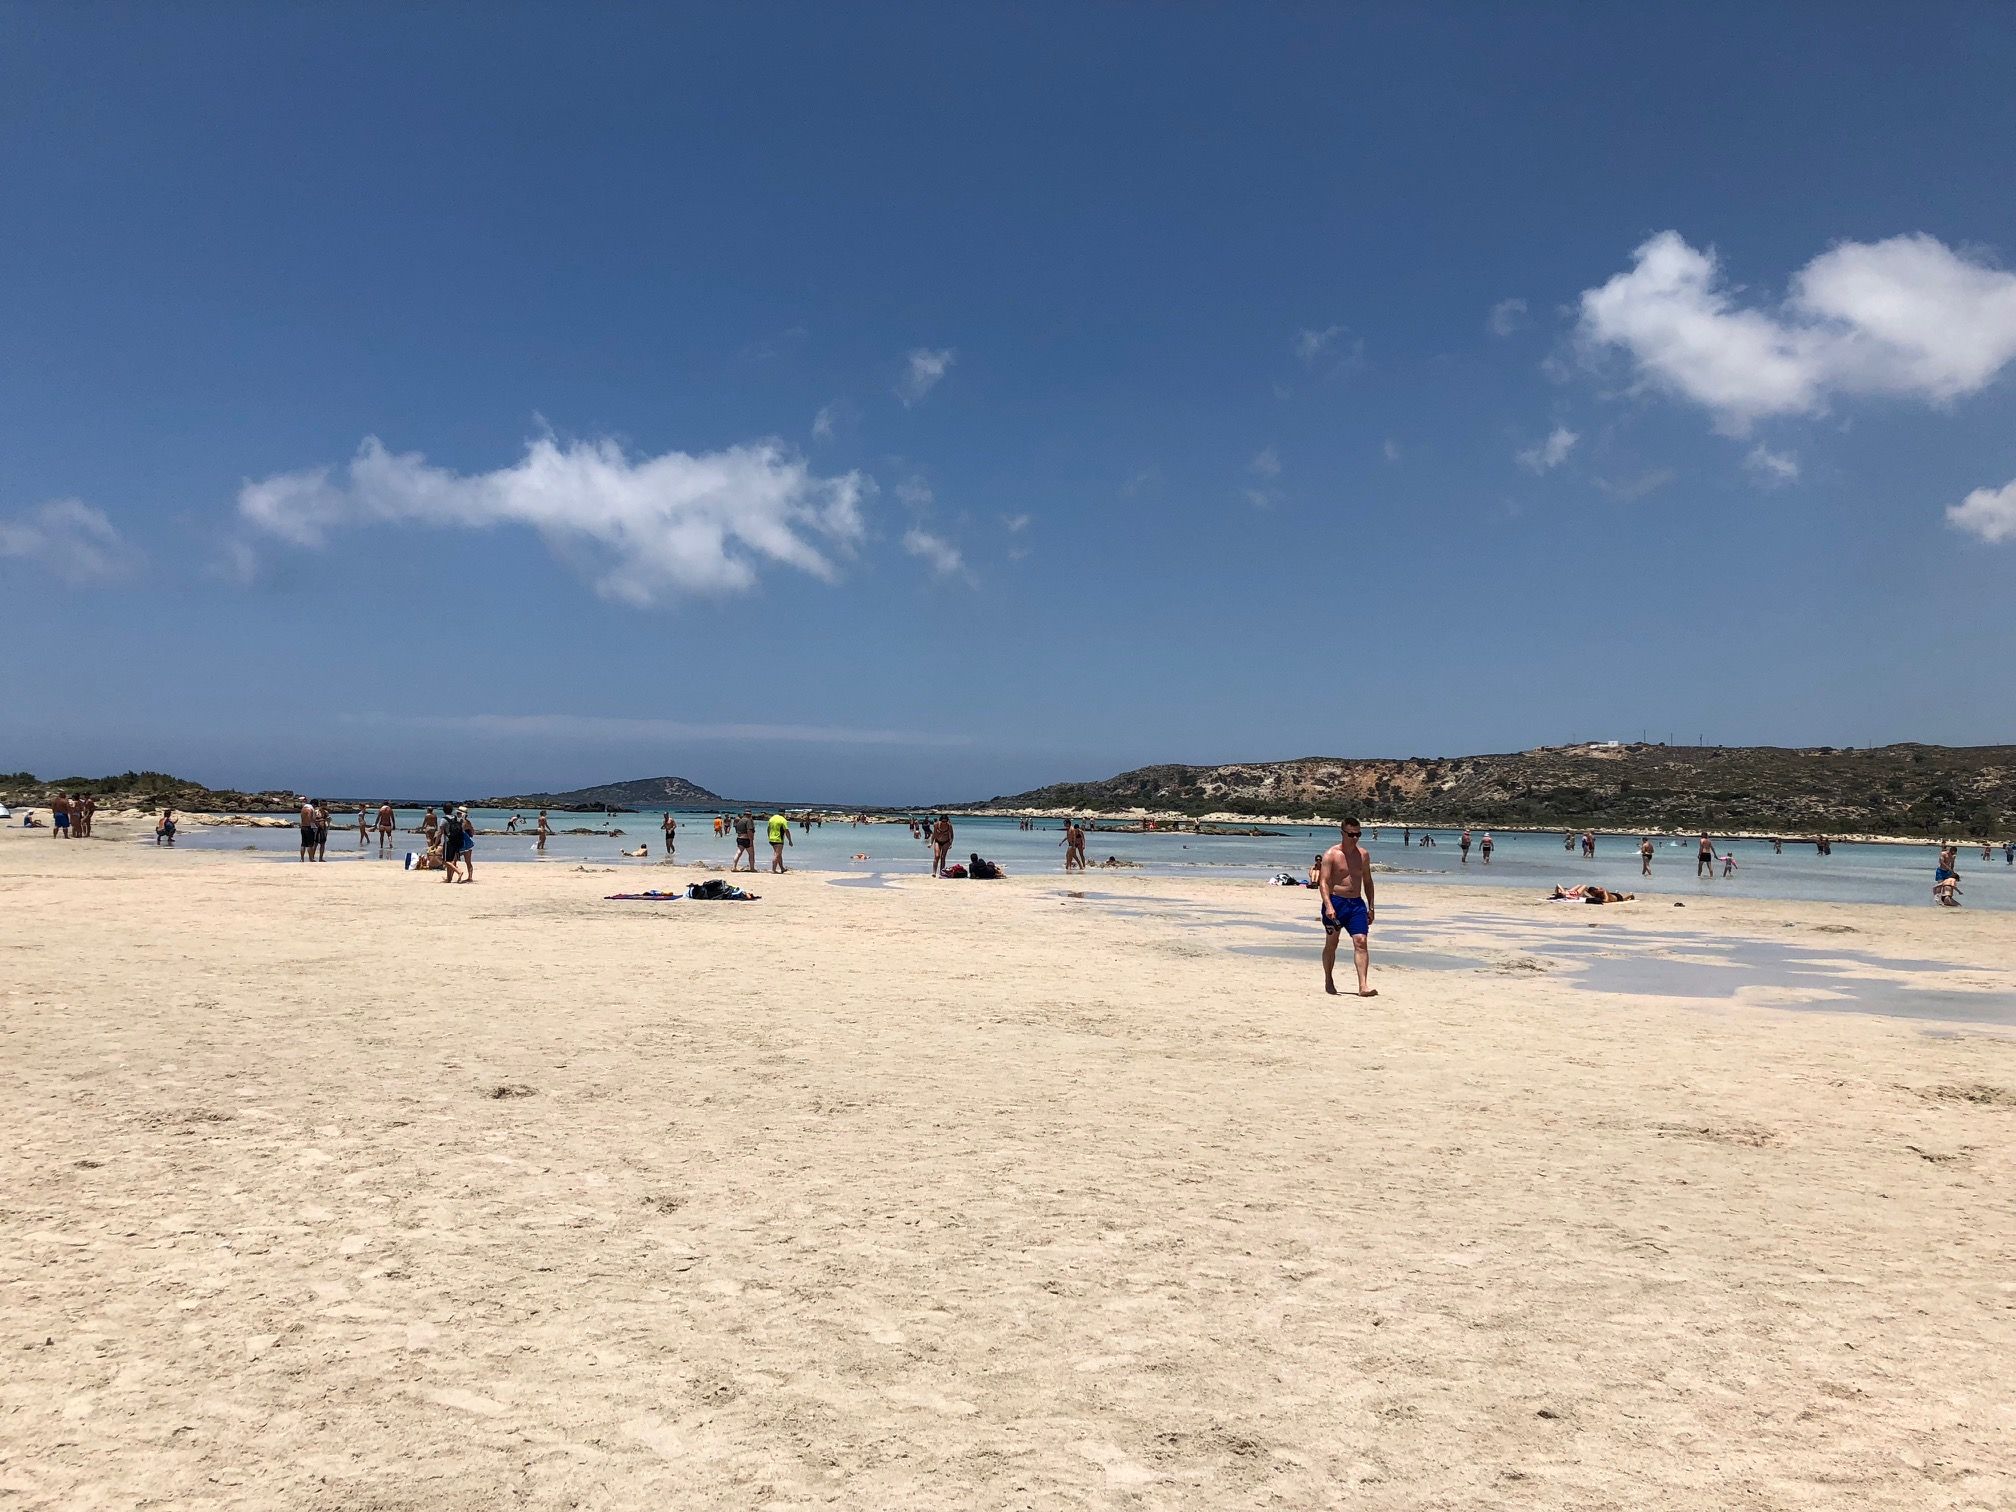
column 386, row 820
column 671, row 828
column 307, row 829
column 1344, row 886
column 745, row 841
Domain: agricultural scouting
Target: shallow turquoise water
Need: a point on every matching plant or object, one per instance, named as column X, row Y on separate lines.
column 1527, row 862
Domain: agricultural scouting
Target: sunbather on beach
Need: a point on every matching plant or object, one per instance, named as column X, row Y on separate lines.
column 1589, row 892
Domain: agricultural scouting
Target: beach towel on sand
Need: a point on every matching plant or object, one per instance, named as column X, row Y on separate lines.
column 711, row 890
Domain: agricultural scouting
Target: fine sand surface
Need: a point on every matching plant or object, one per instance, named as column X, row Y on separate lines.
column 333, row 1187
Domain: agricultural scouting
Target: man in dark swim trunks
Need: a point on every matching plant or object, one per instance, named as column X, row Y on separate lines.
column 308, row 827
column 1344, row 893
column 1704, row 859
column 745, row 841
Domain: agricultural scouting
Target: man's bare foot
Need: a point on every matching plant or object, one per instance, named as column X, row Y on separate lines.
column 1368, row 992
column 1331, row 988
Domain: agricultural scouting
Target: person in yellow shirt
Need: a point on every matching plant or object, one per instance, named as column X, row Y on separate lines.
column 780, row 836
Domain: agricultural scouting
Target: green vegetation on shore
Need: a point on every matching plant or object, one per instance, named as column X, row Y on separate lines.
column 1952, row 791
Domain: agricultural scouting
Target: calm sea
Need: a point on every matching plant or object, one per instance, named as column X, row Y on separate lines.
column 1527, row 862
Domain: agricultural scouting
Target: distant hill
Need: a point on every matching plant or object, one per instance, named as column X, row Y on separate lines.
column 1967, row 791
column 643, row 792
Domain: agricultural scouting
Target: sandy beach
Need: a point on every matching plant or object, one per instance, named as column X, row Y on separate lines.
column 332, row 1187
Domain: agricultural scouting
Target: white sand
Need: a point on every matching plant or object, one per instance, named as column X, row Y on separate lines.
column 965, row 1195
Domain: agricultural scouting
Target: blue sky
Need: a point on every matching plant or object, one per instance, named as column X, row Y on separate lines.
column 907, row 402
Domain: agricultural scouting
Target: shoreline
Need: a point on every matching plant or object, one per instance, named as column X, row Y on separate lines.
column 1166, row 822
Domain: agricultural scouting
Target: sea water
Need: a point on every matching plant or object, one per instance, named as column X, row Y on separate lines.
column 1527, row 862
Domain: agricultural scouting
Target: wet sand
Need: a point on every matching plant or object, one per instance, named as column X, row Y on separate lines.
column 333, row 1187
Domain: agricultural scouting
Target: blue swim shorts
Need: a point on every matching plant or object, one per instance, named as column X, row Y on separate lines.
column 1350, row 913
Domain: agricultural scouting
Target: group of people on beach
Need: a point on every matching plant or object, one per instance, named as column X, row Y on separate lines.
column 70, row 818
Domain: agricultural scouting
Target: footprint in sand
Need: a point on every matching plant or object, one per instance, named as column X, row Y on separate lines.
column 1121, row 1470
column 467, row 1401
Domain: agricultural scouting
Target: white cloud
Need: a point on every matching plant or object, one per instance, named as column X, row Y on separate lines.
column 1015, row 524
column 595, row 729
column 1259, row 498
column 1774, row 467
column 70, row 539
column 939, row 554
column 916, row 493
column 822, row 423
column 1989, row 513
column 923, row 369
column 1310, row 344
column 1551, row 453
column 1266, row 463
column 1506, row 316
column 653, row 528
column 1391, row 450
column 1906, row 317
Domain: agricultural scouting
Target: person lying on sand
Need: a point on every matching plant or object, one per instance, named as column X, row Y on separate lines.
column 642, row 850
column 1589, row 892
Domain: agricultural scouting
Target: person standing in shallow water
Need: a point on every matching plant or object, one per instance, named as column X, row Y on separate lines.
column 1485, row 847
column 1464, row 844
column 1344, row 894
column 1644, row 855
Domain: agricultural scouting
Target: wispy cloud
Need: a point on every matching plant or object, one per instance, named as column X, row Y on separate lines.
column 1015, row 524
column 914, row 492
column 1774, row 468
column 940, row 555
column 1989, row 513
column 71, row 540
column 1507, row 316
column 1907, row 317
column 1551, row 453
column 652, row 528
column 596, row 729
column 923, row 370
column 1391, row 450
column 1315, row 346
column 1309, row 344
column 1629, row 490
column 822, row 423
column 1266, row 463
